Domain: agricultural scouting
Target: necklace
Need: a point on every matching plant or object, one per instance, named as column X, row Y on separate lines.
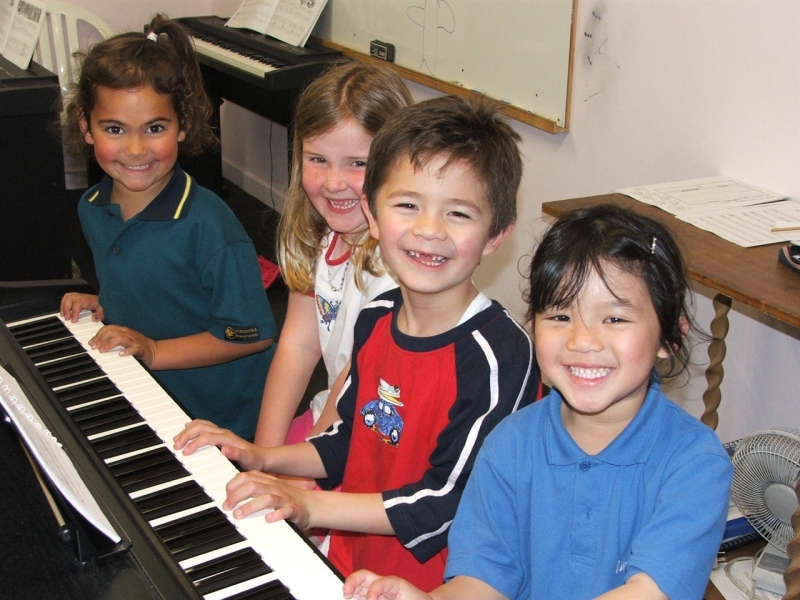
column 341, row 283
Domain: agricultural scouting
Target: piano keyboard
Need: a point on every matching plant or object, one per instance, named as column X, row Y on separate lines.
column 130, row 421
column 237, row 57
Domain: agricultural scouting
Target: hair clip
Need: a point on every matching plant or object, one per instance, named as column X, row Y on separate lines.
column 653, row 245
column 153, row 37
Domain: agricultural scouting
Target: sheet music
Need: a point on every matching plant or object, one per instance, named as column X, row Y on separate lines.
column 700, row 195
column 294, row 19
column 50, row 455
column 749, row 226
column 253, row 14
column 290, row 21
column 735, row 211
column 21, row 30
column 6, row 16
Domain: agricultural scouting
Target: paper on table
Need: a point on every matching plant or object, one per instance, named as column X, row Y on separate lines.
column 22, row 35
column 749, row 226
column 700, row 195
column 49, row 454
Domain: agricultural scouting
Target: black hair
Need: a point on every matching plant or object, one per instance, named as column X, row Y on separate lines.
column 588, row 240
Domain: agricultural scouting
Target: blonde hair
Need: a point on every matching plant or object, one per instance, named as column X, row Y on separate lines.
column 366, row 94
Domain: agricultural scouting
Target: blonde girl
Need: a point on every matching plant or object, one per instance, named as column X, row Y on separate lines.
column 328, row 260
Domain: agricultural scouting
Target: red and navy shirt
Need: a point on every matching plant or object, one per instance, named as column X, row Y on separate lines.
column 414, row 413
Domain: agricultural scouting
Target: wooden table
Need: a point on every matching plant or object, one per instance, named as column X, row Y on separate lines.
column 751, row 276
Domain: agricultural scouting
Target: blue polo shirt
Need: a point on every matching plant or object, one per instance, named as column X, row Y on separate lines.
column 541, row 519
column 185, row 265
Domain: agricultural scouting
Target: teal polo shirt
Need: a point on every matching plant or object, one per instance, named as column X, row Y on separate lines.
column 185, row 265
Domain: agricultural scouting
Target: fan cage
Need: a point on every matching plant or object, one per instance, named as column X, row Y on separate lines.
column 766, row 466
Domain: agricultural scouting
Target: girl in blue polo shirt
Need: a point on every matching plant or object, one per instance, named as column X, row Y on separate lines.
column 605, row 489
column 180, row 285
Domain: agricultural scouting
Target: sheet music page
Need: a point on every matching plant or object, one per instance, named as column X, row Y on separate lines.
column 6, row 16
column 294, row 19
column 254, row 15
column 50, row 455
column 700, row 195
column 26, row 24
column 749, row 226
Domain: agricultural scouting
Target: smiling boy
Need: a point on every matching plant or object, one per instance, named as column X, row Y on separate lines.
column 436, row 365
column 444, row 363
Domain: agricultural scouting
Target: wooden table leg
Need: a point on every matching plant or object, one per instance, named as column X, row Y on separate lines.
column 716, row 354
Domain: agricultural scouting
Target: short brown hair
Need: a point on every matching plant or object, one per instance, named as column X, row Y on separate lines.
column 469, row 132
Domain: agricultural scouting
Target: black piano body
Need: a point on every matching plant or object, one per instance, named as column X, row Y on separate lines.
column 33, row 202
column 273, row 96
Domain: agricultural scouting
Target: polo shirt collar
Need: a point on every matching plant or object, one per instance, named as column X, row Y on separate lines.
column 173, row 202
column 630, row 447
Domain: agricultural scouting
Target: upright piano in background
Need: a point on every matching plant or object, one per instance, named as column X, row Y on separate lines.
column 254, row 71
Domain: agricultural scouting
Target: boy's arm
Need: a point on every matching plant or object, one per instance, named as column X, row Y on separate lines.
column 198, row 350
column 295, row 358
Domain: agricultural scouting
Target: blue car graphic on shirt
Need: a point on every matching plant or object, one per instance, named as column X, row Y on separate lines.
column 381, row 415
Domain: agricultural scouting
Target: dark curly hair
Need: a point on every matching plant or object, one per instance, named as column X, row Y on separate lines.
column 131, row 60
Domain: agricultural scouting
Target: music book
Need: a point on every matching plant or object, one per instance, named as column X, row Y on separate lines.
column 289, row 21
column 21, row 23
column 50, row 455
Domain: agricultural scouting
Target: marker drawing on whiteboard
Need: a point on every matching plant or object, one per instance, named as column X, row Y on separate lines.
column 431, row 17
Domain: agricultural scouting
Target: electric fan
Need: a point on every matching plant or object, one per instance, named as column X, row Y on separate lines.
column 766, row 468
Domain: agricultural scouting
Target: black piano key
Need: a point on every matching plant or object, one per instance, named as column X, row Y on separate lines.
column 198, row 533
column 39, row 331
column 147, row 469
column 53, row 350
column 273, row 590
column 105, row 416
column 70, row 370
column 169, row 501
column 122, row 442
column 97, row 389
column 228, row 570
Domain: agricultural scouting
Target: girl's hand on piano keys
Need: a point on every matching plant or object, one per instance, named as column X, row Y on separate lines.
column 73, row 303
column 132, row 343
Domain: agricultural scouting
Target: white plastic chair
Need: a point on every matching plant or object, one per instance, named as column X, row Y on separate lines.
column 68, row 29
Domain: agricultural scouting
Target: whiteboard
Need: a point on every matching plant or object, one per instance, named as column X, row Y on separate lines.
column 516, row 51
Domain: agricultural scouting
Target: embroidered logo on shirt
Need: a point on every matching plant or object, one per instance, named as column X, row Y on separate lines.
column 381, row 415
column 621, row 566
column 327, row 310
column 241, row 334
